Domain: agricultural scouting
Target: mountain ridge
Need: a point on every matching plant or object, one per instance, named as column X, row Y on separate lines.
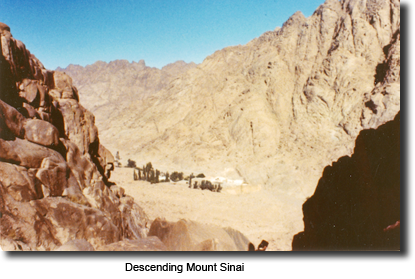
column 276, row 110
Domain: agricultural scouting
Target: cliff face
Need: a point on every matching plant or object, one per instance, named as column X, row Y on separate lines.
column 109, row 89
column 53, row 187
column 356, row 205
column 277, row 110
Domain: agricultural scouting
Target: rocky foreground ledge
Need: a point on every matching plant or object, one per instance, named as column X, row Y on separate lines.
column 53, row 187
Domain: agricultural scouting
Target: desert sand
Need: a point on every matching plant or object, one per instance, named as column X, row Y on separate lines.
column 258, row 214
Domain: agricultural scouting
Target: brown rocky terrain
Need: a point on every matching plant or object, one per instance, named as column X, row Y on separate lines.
column 53, row 188
column 273, row 113
column 110, row 88
column 276, row 111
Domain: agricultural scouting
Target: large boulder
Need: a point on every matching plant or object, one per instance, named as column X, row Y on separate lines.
column 23, row 227
column 79, row 125
column 134, row 219
column 77, row 221
column 34, row 92
column 151, row 243
column 53, row 176
column 19, row 182
column 76, row 245
column 187, row 235
column 11, row 121
column 81, row 165
column 8, row 244
column 27, row 154
column 52, row 170
column 41, row 132
column 240, row 240
column 4, row 27
column 62, row 81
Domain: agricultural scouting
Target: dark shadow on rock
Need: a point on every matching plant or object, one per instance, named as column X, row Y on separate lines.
column 61, row 149
column 356, row 205
column 381, row 70
column 8, row 87
column 93, row 151
column 58, row 121
column 110, row 183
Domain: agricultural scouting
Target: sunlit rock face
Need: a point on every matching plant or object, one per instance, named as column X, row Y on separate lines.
column 53, row 189
column 273, row 112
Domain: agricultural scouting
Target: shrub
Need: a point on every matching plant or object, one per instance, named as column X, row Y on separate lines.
column 203, row 185
column 209, row 185
column 157, row 176
column 149, row 167
column 176, row 176
column 144, row 173
column 131, row 164
column 151, row 177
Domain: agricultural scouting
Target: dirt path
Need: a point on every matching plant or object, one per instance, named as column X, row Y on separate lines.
column 258, row 215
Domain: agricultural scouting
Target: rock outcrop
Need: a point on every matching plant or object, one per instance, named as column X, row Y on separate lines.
column 187, row 235
column 76, row 245
column 275, row 111
column 54, row 186
column 151, row 243
column 356, row 205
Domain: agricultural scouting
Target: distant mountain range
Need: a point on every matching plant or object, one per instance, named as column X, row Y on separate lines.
column 107, row 87
column 273, row 112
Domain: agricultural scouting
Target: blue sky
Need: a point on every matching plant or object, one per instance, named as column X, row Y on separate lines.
column 63, row 32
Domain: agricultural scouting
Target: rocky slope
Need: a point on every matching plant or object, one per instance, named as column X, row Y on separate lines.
column 276, row 110
column 53, row 183
column 109, row 88
column 55, row 192
column 356, row 205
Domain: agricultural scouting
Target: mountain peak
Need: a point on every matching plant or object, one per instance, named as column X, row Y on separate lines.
column 4, row 27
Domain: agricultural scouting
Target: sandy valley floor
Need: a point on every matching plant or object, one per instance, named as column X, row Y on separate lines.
column 260, row 214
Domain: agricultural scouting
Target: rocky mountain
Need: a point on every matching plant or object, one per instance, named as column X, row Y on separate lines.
column 356, row 205
column 109, row 88
column 273, row 112
column 54, row 172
